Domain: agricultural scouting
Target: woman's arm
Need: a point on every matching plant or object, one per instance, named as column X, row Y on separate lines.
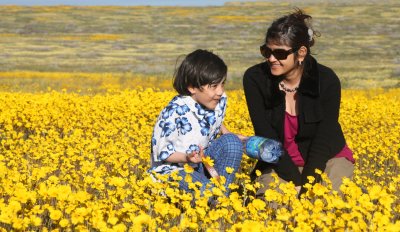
column 329, row 131
column 254, row 86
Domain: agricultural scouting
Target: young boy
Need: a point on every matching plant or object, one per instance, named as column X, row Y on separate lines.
column 187, row 128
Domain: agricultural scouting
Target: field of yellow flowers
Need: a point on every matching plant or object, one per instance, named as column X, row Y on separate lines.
column 71, row 161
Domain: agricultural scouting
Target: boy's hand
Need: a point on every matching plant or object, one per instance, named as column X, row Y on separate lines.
column 211, row 170
column 195, row 156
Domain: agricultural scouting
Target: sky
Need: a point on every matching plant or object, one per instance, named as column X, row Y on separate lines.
column 116, row 2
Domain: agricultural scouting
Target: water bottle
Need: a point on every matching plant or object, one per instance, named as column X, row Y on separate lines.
column 267, row 150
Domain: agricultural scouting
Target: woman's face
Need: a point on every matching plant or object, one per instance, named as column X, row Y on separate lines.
column 281, row 66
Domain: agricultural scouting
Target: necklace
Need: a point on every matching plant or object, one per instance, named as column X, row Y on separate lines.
column 287, row 89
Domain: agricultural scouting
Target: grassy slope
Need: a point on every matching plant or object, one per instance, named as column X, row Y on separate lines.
column 359, row 40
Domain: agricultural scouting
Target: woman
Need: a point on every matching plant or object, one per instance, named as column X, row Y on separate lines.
column 294, row 99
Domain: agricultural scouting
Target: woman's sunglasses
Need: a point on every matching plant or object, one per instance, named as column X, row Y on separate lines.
column 279, row 54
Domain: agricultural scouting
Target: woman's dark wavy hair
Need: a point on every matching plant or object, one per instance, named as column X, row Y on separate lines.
column 293, row 30
column 199, row 68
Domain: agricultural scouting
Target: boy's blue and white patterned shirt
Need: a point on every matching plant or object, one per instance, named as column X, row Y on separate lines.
column 182, row 126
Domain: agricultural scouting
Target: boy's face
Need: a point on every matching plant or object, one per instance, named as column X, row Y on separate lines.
column 208, row 95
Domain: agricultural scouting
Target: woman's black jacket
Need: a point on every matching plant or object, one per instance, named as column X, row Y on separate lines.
column 319, row 136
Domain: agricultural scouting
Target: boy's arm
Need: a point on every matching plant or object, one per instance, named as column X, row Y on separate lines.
column 179, row 157
column 224, row 130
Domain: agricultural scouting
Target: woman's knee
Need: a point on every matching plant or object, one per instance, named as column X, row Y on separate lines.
column 339, row 167
column 336, row 169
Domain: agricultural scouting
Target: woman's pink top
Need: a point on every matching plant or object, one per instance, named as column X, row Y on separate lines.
column 291, row 127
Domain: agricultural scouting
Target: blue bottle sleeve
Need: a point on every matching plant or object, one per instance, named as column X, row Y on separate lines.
column 260, row 148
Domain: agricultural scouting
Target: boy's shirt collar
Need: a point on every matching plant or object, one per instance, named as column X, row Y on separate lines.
column 199, row 110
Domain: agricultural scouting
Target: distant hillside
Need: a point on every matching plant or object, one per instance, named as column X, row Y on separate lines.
column 308, row 2
column 359, row 39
